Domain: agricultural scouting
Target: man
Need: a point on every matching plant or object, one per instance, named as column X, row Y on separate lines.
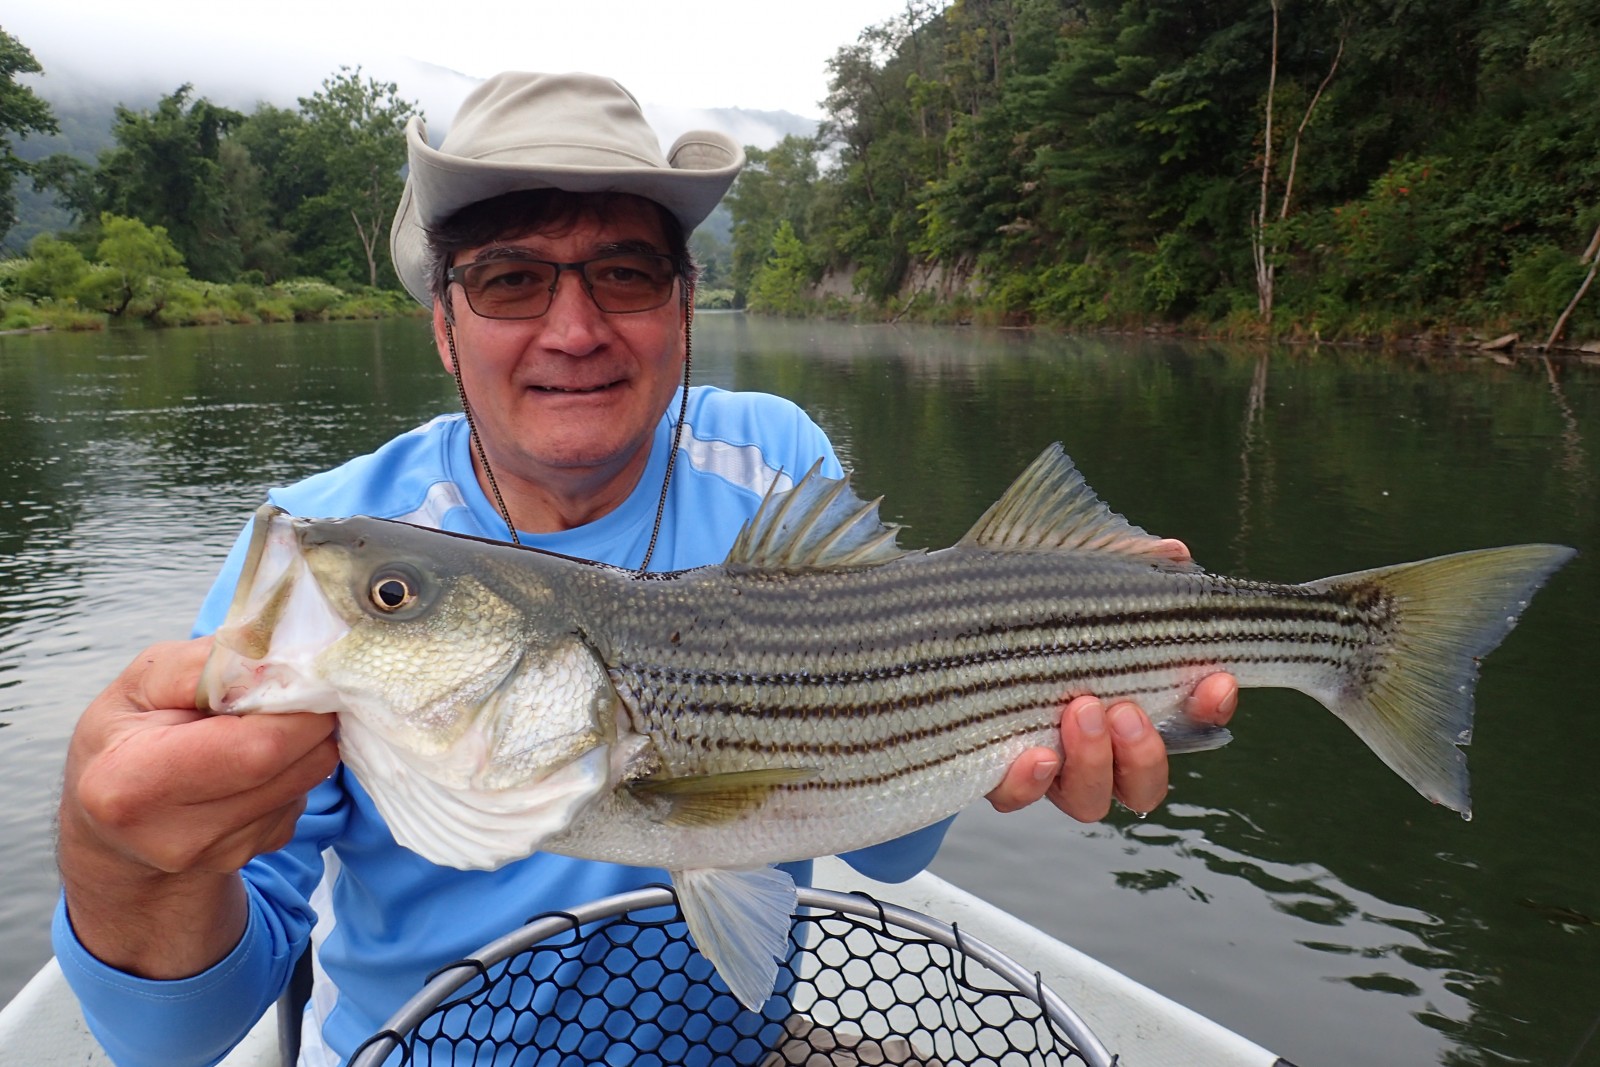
column 549, row 237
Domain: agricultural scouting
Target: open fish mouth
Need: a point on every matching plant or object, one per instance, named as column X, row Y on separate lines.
column 265, row 655
column 472, row 760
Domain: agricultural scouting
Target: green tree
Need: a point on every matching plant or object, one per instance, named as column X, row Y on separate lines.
column 275, row 184
column 261, row 246
column 350, row 153
column 889, row 146
column 73, row 183
column 21, row 112
column 1099, row 159
column 777, row 187
column 133, row 264
column 714, row 257
column 166, row 171
column 52, row 271
column 780, row 285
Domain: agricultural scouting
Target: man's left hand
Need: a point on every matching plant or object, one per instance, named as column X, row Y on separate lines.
column 1110, row 753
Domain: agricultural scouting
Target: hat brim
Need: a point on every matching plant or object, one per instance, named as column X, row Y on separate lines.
column 702, row 165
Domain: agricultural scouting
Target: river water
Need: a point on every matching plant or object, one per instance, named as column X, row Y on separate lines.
column 1291, row 888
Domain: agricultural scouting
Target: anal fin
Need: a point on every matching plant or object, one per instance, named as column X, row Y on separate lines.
column 1184, row 734
column 740, row 922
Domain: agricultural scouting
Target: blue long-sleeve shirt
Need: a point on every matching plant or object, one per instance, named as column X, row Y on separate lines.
column 384, row 917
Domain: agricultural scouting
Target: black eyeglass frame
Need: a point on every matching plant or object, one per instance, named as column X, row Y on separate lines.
column 456, row 275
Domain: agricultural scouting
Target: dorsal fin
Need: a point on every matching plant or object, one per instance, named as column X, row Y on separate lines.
column 818, row 525
column 1050, row 506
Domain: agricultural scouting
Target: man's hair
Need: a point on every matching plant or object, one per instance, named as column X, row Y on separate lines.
column 518, row 214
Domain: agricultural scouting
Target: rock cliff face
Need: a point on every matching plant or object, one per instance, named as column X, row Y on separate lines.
column 924, row 281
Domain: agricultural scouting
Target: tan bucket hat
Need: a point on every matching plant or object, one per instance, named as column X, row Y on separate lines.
column 577, row 132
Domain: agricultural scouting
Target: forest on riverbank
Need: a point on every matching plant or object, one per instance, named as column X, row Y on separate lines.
column 199, row 213
column 1313, row 168
column 1318, row 169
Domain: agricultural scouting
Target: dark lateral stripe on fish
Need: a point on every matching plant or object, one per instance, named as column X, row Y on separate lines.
column 1341, row 618
column 904, row 738
column 881, row 777
column 941, row 694
column 1018, row 577
column 814, row 785
column 666, row 676
column 883, row 604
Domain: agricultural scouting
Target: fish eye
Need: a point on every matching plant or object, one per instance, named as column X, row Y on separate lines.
column 391, row 592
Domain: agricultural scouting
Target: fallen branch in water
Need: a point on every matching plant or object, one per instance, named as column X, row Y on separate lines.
column 1592, row 257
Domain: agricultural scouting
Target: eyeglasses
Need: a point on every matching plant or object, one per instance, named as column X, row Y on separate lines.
column 512, row 287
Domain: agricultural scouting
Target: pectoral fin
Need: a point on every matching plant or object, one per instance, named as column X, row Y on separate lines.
column 740, row 922
column 714, row 799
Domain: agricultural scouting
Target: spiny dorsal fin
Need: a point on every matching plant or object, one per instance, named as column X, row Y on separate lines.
column 1050, row 506
column 714, row 799
column 818, row 525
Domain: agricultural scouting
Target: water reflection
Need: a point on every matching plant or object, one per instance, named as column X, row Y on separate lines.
column 1315, row 887
column 1293, row 888
column 1253, row 454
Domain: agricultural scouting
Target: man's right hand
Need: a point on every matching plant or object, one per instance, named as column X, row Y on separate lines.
column 162, row 804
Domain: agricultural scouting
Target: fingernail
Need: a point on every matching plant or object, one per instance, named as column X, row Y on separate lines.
column 1047, row 770
column 1224, row 708
column 1092, row 719
column 1230, row 703
column 1126, row 722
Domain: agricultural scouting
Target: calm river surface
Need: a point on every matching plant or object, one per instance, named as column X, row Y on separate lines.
column 1292, row 888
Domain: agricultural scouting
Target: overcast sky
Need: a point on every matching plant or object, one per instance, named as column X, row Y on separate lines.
column 673, row 55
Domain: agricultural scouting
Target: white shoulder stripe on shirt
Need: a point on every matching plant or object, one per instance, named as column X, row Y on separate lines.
column 742, row 465
column 442, row 497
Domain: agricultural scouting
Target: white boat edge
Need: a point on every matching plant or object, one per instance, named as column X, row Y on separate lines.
column 42, row 1026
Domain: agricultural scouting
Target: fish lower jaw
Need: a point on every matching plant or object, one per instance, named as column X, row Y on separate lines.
column 243, row 686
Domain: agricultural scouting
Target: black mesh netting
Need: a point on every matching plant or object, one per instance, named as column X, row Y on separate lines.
column 619, row 982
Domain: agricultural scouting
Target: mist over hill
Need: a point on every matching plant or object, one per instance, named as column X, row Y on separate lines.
column 84, row 100
column 73, row 84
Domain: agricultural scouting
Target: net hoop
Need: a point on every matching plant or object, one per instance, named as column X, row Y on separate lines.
column 973, row 969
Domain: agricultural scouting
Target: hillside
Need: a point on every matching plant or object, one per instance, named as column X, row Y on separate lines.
column 84, row 105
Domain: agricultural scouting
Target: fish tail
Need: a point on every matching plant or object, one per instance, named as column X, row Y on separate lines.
column 1410, row 696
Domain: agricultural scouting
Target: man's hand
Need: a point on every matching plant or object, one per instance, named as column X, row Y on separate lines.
column 162, row 804
column 1110, row 753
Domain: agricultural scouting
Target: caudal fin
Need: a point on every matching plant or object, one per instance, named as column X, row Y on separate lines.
column 1412, row 701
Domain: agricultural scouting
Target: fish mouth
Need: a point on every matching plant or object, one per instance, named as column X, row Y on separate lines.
column 277, row 624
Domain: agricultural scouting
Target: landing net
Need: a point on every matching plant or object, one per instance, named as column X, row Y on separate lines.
column 619, row 982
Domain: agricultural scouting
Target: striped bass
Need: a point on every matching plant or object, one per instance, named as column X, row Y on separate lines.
column 819, row 691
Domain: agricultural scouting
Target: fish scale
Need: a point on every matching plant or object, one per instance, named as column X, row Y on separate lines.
column 919, row 678
column 820, row 691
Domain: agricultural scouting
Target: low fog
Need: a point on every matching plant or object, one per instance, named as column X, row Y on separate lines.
column 754, row 73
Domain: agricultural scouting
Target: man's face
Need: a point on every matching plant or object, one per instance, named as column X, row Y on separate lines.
column 568, row 402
